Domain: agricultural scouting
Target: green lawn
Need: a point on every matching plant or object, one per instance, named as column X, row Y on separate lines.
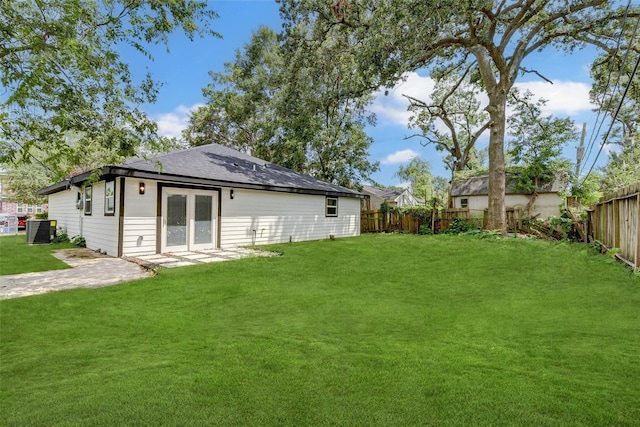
column 377, row 330
column 18, row 257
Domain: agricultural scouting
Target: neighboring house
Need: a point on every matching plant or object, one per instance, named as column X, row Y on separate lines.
column 473, row 192
column 393, row 196
column 200, row 198
column 9, row 203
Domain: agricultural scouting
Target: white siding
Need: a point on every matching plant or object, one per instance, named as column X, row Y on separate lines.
column 262, row 217
column 99, row 230
column 62, row 208
column 547, row 204
column 251, row 217
column 139, row 235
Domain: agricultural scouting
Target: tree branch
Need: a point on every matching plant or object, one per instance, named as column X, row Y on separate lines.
column 525, row 70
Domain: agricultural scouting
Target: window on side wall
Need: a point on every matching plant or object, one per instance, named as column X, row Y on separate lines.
column 20, row 208
column 464, row 203
column 331, row 206
column 110, row 198
column 88, row 190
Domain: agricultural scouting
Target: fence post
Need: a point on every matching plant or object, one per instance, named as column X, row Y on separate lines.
column 637, row 259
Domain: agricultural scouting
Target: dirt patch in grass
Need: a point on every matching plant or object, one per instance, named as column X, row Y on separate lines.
column 83, row 253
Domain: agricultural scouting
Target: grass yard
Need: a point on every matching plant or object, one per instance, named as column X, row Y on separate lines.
column 377, row 330
column 18, row 257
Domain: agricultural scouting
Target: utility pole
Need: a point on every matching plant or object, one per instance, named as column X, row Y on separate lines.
column 580, row 152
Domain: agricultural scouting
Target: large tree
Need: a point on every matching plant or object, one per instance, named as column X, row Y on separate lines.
column 418, row 174
column 65, row 83
column 389, row 38
column 294, row 112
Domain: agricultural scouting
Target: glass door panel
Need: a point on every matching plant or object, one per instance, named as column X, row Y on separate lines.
column 203, row 215
column 177, row 220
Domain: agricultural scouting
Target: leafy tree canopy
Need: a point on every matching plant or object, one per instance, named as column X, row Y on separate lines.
column 66, row 87
column 297, row 113
column 418, row 174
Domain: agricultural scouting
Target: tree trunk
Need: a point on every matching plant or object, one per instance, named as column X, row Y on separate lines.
column 496, row 217
column 532, row 203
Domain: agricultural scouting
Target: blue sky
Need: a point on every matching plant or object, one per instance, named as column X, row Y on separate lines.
column 184, row 72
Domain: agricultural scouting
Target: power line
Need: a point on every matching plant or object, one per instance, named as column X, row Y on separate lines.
column 611, row 66
column 624, row 94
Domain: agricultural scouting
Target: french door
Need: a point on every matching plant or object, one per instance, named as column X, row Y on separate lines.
column 189, row 219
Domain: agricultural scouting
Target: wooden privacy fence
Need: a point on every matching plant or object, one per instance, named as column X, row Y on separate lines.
column 615, row 223
column 376, row 221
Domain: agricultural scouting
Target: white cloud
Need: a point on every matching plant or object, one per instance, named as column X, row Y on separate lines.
column 399, row 157
column 171, row 124
column 564, row 97
column 392, row 107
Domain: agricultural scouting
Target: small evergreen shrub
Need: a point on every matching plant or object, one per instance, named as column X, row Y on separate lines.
column 79, row 241
column 61, row 236
column 458, row 226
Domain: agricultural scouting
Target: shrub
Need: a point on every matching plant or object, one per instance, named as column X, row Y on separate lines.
column 61, row 236
column 79, row 241
column 425, row 229
column 458, row 226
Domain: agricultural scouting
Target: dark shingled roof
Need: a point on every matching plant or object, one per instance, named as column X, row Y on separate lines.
column 217, row 165
column 383, row 193
column 479, row 185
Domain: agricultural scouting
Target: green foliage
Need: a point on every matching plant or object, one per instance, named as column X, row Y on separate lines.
column 425, row 229
column 67, row 92
column 458, row 226
column 561, row 224
column 422, row 213
column 385, row 208
column 623, row 167
column 61, row 236
column 79, row 241
column 418, row 174
column 536, row 142
column 588, row 190
column 301, row 117
column 42, row 215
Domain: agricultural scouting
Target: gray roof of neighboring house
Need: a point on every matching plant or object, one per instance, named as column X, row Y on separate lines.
column 215, row 165
column 383, row 193
column 479, row 185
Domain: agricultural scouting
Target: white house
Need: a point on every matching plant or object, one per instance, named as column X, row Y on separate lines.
column 473, row 194
column 200, row 198
column 393, row 196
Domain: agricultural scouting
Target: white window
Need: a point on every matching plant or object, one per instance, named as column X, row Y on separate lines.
column 110, row 197
column 331, row 206
column 20, row 208
column 38, row 208
column 87, row 199
column 464, row 203
column 29, row 209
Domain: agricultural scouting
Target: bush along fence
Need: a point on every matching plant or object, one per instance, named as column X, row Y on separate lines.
column 614, row 223
column 425, row 220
